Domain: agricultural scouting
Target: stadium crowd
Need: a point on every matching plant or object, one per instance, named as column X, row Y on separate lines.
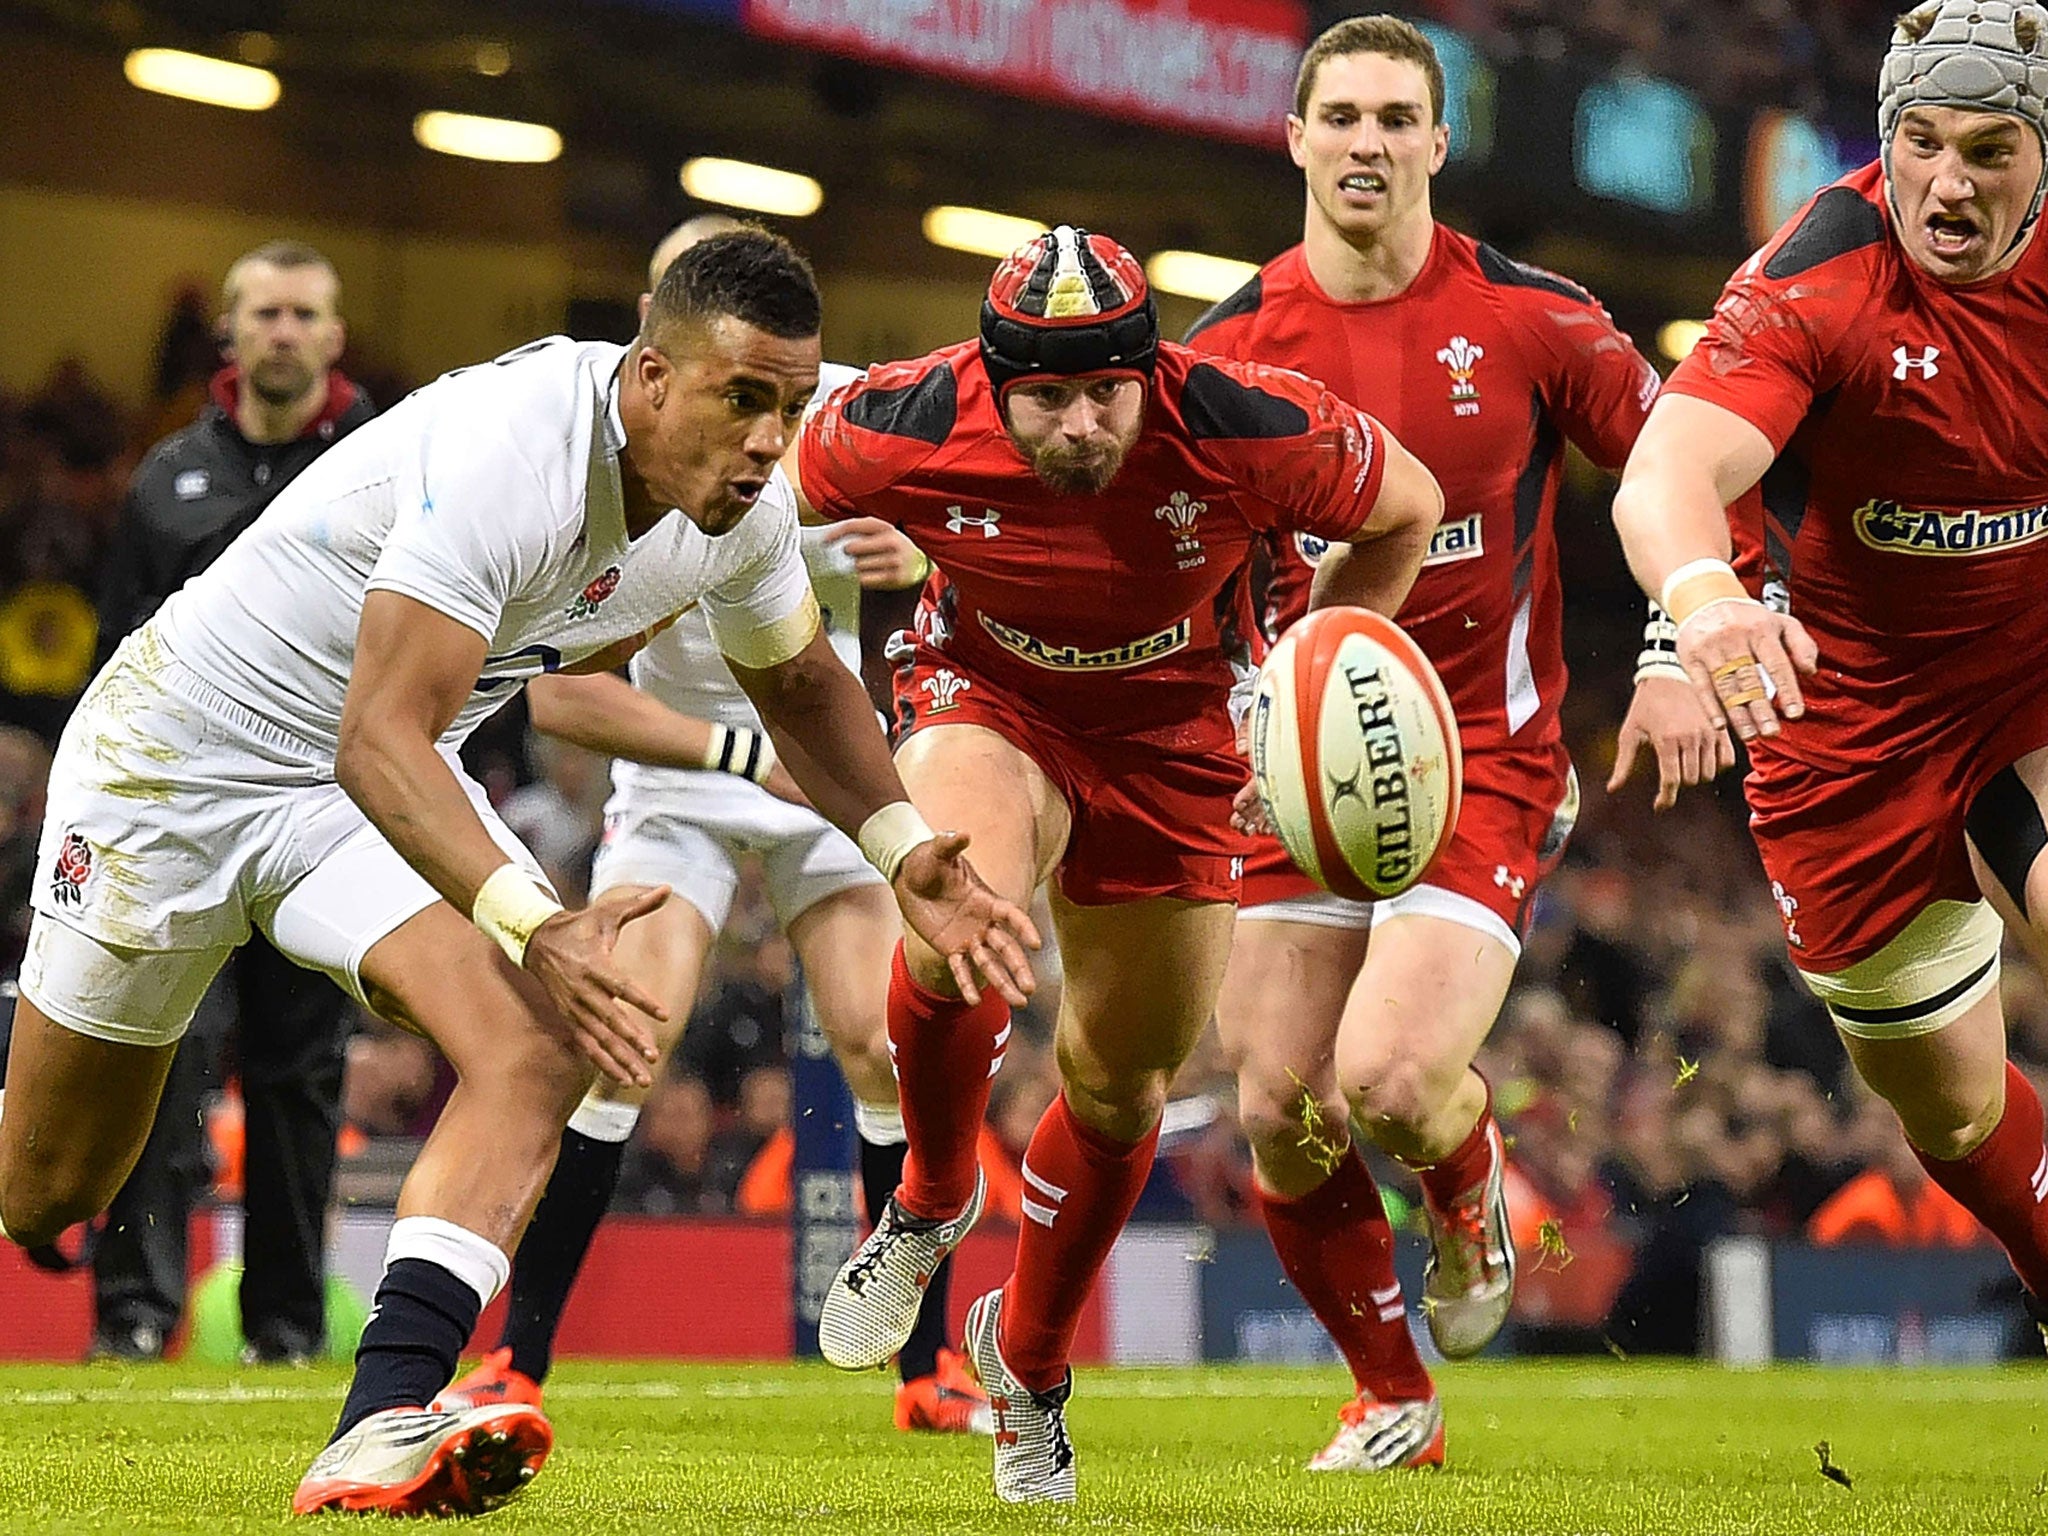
column 1815, row 55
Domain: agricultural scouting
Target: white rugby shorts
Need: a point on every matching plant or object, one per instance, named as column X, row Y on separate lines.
column 178, row 820
column 688, row 830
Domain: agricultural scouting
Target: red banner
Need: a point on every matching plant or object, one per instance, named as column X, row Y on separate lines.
column 1218, row 67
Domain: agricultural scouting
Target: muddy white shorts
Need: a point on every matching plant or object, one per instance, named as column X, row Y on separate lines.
column 687, row 830
column 177, row 820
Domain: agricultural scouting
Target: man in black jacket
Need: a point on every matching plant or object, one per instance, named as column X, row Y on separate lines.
column 276, row 407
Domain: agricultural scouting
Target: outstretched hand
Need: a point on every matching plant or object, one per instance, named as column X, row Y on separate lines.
column 571, row 955
column 979, row 933
column 1669, row 719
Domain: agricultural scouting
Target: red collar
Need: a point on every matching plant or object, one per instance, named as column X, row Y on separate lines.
column 341, row 394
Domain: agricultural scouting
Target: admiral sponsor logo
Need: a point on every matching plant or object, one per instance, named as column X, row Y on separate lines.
column 1463, row 540
column 71, row 871
column 592, row 597
column 1386, row 779
column 1070, row 658
column 1918, row 531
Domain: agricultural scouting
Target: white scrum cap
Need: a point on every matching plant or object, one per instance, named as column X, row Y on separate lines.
column 1976, row 55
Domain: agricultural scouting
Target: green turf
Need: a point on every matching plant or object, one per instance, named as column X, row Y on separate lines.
column 1535, row 1448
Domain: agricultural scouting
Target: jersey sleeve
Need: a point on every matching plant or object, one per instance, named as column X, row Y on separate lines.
column 871, row 433
column 1596, row 386
column 475, row 528
column 1307, row 461
column 1761, row 356
column 762, row 611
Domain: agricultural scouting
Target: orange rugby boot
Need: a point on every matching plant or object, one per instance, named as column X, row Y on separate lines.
column 420, row 1461
column 947, row 1402
column 1376, row 1436
column 493, row 1381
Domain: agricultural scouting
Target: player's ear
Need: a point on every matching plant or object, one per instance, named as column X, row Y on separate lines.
column 655, row 372
column 1440, row 151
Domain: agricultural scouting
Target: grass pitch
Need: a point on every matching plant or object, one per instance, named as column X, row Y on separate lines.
column 1534, row 1449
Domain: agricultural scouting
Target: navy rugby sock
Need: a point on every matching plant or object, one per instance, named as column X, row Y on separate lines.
column 423, row 1316
column 557, row 1241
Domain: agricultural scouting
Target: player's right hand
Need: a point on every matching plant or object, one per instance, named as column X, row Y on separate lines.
column 949, row 907
column 1248, row 813
column 883, row 557
column 1742, row 656
column 571, row 955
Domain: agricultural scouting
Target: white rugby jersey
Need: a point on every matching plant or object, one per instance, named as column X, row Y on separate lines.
column 492, row 495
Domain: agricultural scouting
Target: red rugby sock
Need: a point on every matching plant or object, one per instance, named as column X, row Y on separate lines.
column 1337, row 1247
column 2004, row 1182
column 1444, row 1181
column 944, row 1053
column 1079, row 1187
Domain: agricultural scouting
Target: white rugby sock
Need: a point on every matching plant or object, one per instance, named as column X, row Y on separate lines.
column 880, row 1125
column 604, row 1119
column 475, row 1261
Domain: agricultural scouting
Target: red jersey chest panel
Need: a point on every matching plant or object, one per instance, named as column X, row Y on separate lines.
column 1482, row 368
column 1907, row 509
column 1113, row 611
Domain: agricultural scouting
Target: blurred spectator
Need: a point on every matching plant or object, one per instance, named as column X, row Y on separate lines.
column 667, row 1170
column 389, row 1083
column 24, row 778
column 742, row 1025
column 1897, row 1204
column 748, row 1154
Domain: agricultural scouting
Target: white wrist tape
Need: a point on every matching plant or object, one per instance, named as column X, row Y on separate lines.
column 887, row 837
column 740, row 750
column 509, row 906
column 1659, row 655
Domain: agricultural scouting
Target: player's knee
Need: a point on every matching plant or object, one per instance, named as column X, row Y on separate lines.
column 1123, row 1107
column 1392, row 1088
column 1282, row 1114
column 37, row 1211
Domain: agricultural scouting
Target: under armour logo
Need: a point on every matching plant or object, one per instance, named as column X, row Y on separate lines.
column 959, row 520
column 1903, row 362
column 1510, row 883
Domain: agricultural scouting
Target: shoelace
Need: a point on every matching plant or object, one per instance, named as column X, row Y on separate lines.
column 1467, row 1222
column 889, row 1231
column 1056, row 1418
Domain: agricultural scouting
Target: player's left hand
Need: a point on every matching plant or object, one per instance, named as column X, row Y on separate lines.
column 949, row 907
column 1248, row 812
column 883, row 558
column 1666, row 716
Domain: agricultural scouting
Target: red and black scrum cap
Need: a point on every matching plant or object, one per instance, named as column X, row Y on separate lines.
column 1068, row 302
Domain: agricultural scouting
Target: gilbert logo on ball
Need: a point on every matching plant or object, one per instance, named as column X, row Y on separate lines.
column 1355, row 753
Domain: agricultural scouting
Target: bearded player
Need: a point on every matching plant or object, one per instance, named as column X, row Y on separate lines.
column 1091, row 497
column 692, row 776
column 1880, row 371
column 1331, row 1007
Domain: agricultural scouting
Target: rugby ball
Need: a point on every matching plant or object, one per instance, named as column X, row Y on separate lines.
column 1355, row 753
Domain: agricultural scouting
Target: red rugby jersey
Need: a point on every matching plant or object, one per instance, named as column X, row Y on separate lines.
column 1482, row 368
column 1115, row 614
column 1907, row 510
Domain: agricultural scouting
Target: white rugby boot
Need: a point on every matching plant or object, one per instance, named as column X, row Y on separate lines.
column 1034, row 1457
column 872, row 1304
column 1468, row 1281
column 420, row 1461
column 1378, row 1436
